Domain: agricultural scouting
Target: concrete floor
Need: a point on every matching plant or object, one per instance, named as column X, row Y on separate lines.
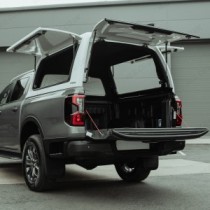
column 181, row 182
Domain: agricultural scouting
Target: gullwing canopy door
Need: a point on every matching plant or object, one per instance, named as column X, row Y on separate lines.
column 44, row 41
column 137, row 34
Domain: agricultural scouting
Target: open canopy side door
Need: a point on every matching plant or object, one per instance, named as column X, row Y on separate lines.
column 44, row 41
column 137, row 34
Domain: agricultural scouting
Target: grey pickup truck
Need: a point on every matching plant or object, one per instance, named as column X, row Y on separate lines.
column 99, row 98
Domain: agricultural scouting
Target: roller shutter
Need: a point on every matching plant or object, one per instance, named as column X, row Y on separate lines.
column 191, row 74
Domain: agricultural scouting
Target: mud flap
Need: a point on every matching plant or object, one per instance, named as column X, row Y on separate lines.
column 151, row 163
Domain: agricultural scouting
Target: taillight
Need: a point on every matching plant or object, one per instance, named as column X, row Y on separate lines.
column 74, row 110
column 179, row 115
column 77, row 119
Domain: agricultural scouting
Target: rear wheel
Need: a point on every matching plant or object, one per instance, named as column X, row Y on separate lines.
column 35, row 164
column 132, row 171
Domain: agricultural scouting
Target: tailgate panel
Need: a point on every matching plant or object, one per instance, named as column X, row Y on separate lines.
column 158, row 134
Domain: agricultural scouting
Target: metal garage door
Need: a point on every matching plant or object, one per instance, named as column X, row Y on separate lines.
column 191, row 74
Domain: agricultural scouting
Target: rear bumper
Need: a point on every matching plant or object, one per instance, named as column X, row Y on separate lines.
column 104, row 152
column 104, row 149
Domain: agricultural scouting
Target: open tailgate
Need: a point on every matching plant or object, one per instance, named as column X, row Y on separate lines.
column 157, row 134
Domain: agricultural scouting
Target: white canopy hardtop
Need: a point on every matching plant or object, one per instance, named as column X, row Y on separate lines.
column 137, row 34
column 44, row 41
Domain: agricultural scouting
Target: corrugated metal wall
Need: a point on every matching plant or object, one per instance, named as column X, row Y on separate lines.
column 191, row 73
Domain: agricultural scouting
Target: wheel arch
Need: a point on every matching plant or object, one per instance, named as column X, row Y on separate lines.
column 29, row 127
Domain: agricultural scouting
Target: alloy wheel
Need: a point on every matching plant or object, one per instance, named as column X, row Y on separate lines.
column 32, row 164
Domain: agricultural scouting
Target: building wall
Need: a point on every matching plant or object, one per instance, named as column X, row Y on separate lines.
column 190, row 17
column 185, row 16
column 191, row 74
column 12, row 65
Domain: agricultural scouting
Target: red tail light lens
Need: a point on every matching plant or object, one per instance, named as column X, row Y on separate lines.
column 78, row 100
column 179, row 115
column 74, row 110
column 77, row 119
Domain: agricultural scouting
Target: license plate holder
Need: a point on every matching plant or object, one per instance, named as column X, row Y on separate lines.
column 131, row 145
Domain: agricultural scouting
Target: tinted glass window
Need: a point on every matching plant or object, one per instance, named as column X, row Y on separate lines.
column 5, row 95
column 19, row 89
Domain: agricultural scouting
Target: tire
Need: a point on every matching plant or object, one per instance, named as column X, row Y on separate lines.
column 35, row 164
column 132, row 171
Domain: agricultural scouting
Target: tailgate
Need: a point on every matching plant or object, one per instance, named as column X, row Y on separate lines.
column 157, row 134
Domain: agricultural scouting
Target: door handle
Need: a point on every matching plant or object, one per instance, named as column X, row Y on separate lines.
column 15, row 109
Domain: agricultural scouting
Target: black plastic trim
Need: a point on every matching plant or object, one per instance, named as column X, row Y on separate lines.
column 158, row 134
